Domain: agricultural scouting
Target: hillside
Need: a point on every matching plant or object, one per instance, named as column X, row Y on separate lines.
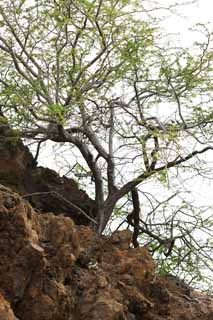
column 53, row 266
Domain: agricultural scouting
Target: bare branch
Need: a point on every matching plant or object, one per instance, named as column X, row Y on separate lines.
column 71, row 204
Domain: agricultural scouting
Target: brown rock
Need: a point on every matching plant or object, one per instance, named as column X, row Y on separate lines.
column 15, row 159
column 102, row 282
column 36, row 256
column 6, row 313
column 44, row 188
column 52, row 269
column 102, row 305
column 138, row 303
column 136, row 262
column 121, row 239
column 51, row 193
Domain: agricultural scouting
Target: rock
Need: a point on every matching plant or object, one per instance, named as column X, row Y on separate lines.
column 138, row 303
column 44, row 188
column 51, row 193
column 6, row 313
column 101, row 305
column 136, row 262
column 102, row 282
column 36, row 257
column 121, row 239
column 51, row 268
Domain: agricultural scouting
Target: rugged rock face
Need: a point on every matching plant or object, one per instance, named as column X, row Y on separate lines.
column 51, row 268
column 47, row 191
column 54, row 267
column 6, row 312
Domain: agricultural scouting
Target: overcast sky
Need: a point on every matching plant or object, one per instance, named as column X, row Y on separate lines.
column 199, row 12
column 189, row 15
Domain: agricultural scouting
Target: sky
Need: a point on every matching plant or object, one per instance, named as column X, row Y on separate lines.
column 179, row 23
column 199, row 12
column 184, row 17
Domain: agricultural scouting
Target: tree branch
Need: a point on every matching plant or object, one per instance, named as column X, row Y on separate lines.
column 71, row 204
column 133, row 183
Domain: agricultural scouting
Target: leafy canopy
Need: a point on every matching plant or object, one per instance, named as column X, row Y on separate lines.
column 101, row 78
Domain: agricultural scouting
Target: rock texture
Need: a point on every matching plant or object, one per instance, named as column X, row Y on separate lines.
column 54, row 267
column 51, row 268
column 43, row 188
column 6, row 312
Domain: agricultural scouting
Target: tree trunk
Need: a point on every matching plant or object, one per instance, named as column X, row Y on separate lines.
column 104, row 214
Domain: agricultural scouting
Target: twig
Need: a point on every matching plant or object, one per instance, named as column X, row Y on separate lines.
column 61, row 197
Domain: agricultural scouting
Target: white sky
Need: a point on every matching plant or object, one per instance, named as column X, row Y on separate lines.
column 186, row 17
column 199, row 12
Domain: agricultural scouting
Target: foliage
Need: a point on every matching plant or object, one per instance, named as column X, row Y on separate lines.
column 100, row 78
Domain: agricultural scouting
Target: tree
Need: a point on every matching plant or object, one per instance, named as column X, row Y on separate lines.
column 100, row 77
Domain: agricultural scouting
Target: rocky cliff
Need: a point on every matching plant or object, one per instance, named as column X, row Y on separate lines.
column 54, row 267
column 42, row 187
